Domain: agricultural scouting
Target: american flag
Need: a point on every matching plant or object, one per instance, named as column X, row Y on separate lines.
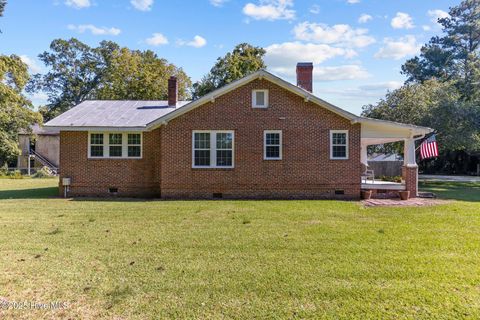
column 429, row 148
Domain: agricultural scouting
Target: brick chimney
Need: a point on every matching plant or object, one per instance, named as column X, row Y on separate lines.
column 172, row 91
column 305, row 75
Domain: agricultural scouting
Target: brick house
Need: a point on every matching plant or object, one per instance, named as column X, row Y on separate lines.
column 258, row 137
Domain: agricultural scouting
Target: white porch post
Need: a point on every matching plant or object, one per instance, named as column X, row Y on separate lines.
column 363, row 154
column 409, row 152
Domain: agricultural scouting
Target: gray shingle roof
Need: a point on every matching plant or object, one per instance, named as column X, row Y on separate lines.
column 114, row 113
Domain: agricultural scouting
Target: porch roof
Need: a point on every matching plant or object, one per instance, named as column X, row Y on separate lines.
column 381, row 131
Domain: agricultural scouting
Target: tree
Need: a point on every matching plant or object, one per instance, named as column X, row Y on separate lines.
column 75, row 72
column 140, row 75
column 79, row 72
column 243, row 60
column 16, row 112
column 3, row 3
column 455, row 56
column 433, row 104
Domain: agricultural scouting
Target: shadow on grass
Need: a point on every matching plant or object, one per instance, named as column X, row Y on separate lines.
column 463, row 191
column 35, row 193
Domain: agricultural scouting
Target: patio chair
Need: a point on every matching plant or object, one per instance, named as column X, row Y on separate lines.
column 368, row 174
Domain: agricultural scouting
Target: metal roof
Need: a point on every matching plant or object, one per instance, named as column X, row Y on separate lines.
column 113, row 113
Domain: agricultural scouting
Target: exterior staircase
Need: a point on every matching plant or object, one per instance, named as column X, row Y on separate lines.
column 45, row 162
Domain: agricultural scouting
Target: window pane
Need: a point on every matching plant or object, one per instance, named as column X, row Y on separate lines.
column 96, row 138
column 96, row 151
column 273, row 138
column 273, row 152
column 202, row 140
column 339, row 151
column 224, row 158
column 134, row 151
column 224, row 140
column 115, row 138
column 115, row 151
column 339, row 138
column 134, row 138
column 202, row 157
column 260, row 98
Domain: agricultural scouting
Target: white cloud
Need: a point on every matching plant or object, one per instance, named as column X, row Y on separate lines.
column 98, row 31
column 142, row 5
column 157, row 39
column 437, row 14
column 402, row 21
column 315, row 9
column 332, row 73
column 371, row 90
column 270, row 10
column 340, row 34
column 398, row 49
column 426, row 28
column 283, row 56
column 345, row 72
column 218, row 3
column 197, row 42
column 39, row 98
column 364, row 18
column 32, row 64
column 78, row 4
column 353, row 1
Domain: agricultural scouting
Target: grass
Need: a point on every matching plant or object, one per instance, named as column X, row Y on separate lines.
column 467, row 191
column 236, row 259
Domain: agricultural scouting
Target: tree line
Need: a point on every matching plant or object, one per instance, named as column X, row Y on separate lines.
column 442, row 91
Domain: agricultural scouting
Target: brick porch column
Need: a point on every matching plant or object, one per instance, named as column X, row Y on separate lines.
column 410, row 168
column 410, row 175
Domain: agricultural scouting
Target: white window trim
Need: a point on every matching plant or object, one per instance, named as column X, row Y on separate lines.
column 346, row 145
column 254, row 99
column 106, row 145
column 265, row 132
column 213, row 149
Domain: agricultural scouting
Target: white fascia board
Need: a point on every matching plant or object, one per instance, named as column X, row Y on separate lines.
column 393, row 126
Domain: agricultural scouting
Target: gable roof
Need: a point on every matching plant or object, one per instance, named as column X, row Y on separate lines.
column 261, row 74
column 134, row 115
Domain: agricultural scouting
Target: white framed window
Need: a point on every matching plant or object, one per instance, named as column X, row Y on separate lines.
column 260, row 99
column 116, row 145
column 272, row 145
column 212, row 149
column 338, row 144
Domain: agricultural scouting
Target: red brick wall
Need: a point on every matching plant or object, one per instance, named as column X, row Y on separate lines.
column 410, row 175
column 306, row 170
column 93, row 177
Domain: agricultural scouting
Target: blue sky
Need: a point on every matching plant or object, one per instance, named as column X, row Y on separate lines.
column 357, row 46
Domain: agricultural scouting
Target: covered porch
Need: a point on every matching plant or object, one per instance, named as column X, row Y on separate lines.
column 375, row 132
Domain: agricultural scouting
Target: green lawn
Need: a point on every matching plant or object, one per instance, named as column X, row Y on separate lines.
column 236, row 259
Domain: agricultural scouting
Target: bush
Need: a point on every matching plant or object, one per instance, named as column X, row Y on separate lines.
column 16, row 174
column 4, row 170
column 45, row 172
column 397, row 179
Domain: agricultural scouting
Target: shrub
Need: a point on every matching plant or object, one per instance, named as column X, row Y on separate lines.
column 45, row 172
column 16, row 174
column 4, row 170
column 397, row 179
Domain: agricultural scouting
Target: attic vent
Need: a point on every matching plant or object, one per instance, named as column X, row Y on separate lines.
column 217, row 195
column 339, row 192
column 113, row 190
